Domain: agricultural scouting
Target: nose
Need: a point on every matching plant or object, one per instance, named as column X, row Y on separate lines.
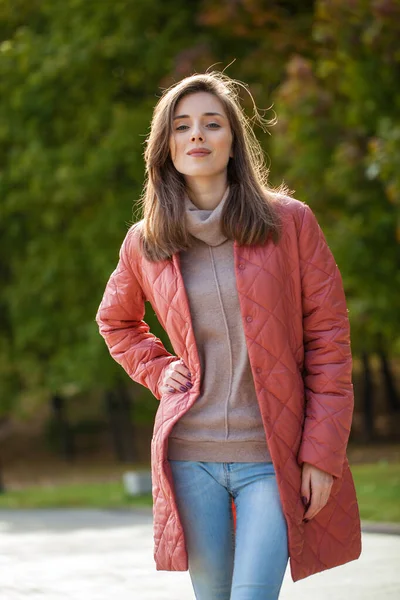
column 196, row 134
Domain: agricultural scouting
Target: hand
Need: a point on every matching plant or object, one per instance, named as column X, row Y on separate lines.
column 316, row 486
column 176, row 377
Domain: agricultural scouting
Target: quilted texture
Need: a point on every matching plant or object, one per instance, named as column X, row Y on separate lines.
column 297, row 333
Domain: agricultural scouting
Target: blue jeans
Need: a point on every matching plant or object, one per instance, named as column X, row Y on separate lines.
column 248, row 565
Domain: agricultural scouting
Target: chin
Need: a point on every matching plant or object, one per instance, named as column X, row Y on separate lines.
column 198, row 173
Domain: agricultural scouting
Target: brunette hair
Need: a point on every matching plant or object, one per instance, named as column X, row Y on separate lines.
column 249, row 216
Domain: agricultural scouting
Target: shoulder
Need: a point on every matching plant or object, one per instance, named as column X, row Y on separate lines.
column 292, row 210
column 131, row 246
column 134, row 235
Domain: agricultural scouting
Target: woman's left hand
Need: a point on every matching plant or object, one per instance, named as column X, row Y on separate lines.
column 315, row 485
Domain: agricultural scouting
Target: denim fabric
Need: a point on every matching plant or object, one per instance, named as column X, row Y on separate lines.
column 248, row 565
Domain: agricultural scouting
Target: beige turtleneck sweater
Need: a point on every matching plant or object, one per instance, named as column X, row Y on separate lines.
column 224, row 424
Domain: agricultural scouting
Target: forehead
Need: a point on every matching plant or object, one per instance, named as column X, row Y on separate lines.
column 198, row 103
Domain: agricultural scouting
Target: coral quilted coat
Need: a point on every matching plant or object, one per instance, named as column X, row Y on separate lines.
column 297, row 333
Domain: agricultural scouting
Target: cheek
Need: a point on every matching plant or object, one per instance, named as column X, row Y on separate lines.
column 225, row 144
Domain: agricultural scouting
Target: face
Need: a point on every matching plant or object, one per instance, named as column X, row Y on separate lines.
column 200, row 121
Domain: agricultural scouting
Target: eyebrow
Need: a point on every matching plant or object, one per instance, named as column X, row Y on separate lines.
column 206, row 114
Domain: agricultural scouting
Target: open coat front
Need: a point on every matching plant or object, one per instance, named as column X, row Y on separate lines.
column 297, row 333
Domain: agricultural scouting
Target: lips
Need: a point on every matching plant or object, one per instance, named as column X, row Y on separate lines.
column 199, row 152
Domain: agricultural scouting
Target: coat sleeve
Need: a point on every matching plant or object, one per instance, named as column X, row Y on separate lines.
column 120, row 321
column 329, row 398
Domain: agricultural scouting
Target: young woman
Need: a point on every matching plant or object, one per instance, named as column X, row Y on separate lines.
column 248, row 454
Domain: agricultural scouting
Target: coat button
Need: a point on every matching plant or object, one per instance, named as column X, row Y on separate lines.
column 249, row 319
column 241, row 266
column 258, row 370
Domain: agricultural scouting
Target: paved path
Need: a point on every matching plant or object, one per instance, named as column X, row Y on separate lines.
column 108, row 555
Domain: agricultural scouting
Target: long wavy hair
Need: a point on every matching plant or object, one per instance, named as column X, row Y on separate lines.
column 249, row 216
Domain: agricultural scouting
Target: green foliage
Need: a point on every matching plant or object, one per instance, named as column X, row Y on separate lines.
column 339, row 146
column 78, row 82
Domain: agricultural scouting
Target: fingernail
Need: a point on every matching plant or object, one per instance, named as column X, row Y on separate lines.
column 189, row 375
column 188, row 384
column 183, row 388
column 304, row 500
column 171, row 389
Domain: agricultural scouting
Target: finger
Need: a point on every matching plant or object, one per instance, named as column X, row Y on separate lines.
column 182, row 375
column 179, row 381
column 305, row 489
column 315, row 505
column 179, row 368
column 322, row 501
column 324, row 490
column 166, row 388
column 172, row 385
column 177, row 377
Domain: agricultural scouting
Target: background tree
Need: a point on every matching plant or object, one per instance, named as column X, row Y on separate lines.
column 338, row 143
column 78, row 82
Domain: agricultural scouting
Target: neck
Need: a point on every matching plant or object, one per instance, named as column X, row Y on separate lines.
column 203, row 224
column 206, row 195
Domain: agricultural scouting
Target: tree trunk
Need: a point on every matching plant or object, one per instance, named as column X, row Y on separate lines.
column 2, row 486
column 368, row 398
column 119, row 412
column 392, row 397
column 64, row 431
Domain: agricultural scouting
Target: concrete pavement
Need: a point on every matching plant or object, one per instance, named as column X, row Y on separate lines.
column 98, row 554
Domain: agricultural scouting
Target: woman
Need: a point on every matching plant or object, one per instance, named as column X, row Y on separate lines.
column 256, row 403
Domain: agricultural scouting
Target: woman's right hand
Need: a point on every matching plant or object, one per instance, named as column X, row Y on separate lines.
column 176, row 378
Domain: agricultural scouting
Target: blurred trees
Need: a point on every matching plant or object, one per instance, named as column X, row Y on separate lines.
column 78, row 82
column 338, row 144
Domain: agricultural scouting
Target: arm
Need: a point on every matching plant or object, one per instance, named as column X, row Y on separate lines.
column 120, row 321
column 327, row 353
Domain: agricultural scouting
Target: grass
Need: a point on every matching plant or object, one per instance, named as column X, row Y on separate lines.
column 377, row 487
column 378, row 491
column 108, row 494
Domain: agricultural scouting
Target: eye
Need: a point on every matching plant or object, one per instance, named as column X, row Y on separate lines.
column 215, row 126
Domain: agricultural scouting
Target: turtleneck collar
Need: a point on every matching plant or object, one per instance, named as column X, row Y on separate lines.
column 205, row 224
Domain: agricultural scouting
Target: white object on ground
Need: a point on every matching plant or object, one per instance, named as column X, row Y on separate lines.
column 137, row 482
